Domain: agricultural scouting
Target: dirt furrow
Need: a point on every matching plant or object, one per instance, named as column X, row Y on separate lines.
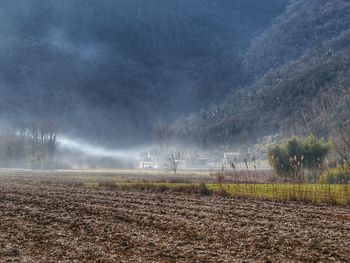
column 51, row 223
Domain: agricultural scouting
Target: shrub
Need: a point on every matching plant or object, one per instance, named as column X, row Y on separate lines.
column 279, row 160
column 298, row 154
column 337, row 175
column 204, row 190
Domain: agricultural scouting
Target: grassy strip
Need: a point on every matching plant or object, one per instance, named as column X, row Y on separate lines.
column 307, row 193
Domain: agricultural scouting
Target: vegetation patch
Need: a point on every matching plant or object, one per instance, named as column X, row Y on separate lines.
column 331, row 194
column 299, row 159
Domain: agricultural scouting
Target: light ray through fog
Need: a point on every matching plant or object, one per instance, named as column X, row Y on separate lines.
column 93, row 150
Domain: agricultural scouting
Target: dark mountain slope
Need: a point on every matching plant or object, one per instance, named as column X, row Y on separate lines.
column 310, row 94
column 304, row 25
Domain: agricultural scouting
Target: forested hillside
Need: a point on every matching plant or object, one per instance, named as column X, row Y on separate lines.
column 304, row 64
column 304, row 26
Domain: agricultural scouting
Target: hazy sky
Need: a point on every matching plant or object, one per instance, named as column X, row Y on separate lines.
column 109, row 70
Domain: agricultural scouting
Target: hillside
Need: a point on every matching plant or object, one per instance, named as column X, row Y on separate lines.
column 306, row 87
column 304, row 26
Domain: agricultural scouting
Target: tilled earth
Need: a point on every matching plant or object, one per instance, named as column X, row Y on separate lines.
column 43, row 223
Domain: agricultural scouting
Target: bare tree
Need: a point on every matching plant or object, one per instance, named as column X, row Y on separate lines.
column 28, row 142
column 41, row 138
column 342, row 144
column 173, row 161
column 12, row 151
column 48, row 134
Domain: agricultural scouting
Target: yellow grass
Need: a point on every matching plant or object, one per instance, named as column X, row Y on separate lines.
column 309, row 193
column 313, row 193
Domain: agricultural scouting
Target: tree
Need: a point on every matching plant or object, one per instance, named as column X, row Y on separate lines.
column 32, row 143
column 12, row 151
column 41, row 136
column 48, row 134
column 279, row 160
column 173, row 161
column 314, row 153
column 291, row 159
column 342, row 145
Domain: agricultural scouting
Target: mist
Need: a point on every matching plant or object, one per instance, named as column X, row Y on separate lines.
column 109, row 71
column 86, row 148
column 174, row 130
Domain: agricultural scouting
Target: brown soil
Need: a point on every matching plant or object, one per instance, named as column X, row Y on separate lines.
column 52, row 223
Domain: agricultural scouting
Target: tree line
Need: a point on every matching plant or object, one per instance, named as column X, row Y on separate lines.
column 28, row 145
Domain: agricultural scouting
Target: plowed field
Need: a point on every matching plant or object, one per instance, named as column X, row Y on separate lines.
column 57, row 223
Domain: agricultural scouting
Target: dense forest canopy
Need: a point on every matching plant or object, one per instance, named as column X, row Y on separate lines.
column 302, row 86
